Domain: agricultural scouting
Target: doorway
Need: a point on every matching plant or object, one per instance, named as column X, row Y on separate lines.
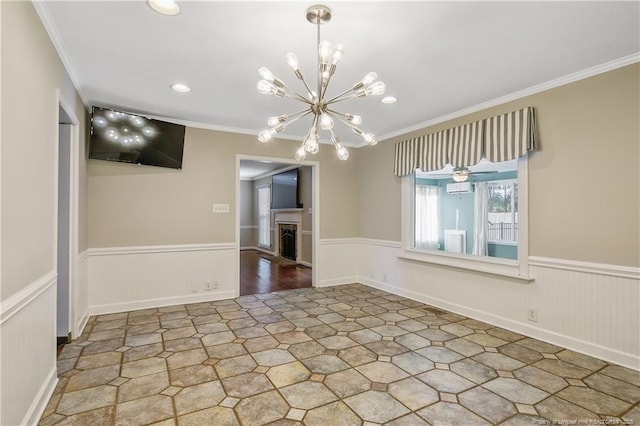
column 66, row 221
column 262, row 267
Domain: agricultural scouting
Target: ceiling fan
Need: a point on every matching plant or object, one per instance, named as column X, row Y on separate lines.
column 461, row 174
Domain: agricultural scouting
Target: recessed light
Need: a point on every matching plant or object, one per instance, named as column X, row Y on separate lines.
column 166, row 7
column 180, row 87
column 389, row 100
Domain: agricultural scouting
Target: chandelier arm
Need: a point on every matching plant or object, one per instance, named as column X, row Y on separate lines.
column 295, row 94
column 339, row 97
column 324, row 87
column 345, row 122
column 306, row 85
column 301, row 113
column 334, row 112
column 298, row 117
column 342, row 97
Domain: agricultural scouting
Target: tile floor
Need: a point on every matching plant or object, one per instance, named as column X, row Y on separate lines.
column 344, row 355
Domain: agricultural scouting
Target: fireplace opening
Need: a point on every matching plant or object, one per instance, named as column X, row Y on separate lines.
column 288, row 241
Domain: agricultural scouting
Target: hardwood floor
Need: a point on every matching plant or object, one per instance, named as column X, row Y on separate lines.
column 261, row 273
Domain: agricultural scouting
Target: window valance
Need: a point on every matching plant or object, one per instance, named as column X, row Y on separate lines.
column 501, row 138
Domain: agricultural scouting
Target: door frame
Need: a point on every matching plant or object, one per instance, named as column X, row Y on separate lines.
column 315, row 196
column 74, row 184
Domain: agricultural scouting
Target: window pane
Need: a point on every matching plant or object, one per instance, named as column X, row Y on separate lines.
column 503, row 211
column 264, row 216
column 426, row 214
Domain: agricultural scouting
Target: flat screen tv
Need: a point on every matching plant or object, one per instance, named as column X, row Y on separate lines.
column 129, row 138
column 284, row 190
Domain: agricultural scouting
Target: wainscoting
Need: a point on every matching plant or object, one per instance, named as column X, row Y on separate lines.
column 586, row 307
column 28, row 342
column 590, row 308
column 129, row 278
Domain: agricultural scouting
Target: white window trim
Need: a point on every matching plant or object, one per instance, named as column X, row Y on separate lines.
column 516, row 269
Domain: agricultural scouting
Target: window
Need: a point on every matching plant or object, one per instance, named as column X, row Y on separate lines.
column 264, row 216
column 475, row 225
column 502, row 212
column 426, row 224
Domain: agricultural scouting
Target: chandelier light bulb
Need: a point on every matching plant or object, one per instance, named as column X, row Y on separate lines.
column 274, row 121
column 338, row 50
column 300, row 154
column 355, row 119
column 324, row 50
column 266, row 135
column 292, row 60
column 326, row 122
column 266, row 88
column 369, row 78
column 375, row 89
column 265, row 74
column 342, row 152
column 370, row 138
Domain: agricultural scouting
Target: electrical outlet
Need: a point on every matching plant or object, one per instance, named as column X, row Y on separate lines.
column 532, row 314
column 216, row 284
column 384, row 277
column 194, row 287
column 208, row 286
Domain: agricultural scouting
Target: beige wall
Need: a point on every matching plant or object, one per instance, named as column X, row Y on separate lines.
column 306, row 198
column 136, row 205
column 31, row 74
column 583, row 178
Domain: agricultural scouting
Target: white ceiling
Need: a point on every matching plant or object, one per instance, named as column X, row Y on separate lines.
column 256, row 169
column 438, row 58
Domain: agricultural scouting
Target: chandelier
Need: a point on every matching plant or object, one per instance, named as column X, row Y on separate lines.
column 322, row 109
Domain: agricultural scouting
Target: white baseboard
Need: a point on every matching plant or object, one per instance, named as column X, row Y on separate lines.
column 338, row 281
column 307, row 264
column 111, row 308
column 83, row 322
column 588, row 348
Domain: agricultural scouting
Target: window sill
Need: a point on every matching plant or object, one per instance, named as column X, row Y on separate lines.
column 489, row 266
column 503, row 243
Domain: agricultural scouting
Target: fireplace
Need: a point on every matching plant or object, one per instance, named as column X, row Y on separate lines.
column 288, row 232
column 288, row 248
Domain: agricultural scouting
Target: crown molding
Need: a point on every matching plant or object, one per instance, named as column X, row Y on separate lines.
column 551, row 84
column 50, row 28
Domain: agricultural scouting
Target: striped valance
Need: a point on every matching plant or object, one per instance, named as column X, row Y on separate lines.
column 501, row 138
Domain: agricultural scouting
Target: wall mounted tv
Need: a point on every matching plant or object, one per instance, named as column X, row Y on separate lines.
column 129, row 138
column 284, row 190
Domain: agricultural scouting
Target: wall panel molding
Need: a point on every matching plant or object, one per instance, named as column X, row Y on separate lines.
column 129, row 278
column 16, row 302
column 587, row 267
column 28, row 351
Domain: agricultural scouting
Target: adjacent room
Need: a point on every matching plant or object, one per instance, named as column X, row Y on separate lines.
column 348, row 213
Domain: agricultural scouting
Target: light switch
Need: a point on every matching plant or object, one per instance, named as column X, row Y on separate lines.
column 220, row 208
